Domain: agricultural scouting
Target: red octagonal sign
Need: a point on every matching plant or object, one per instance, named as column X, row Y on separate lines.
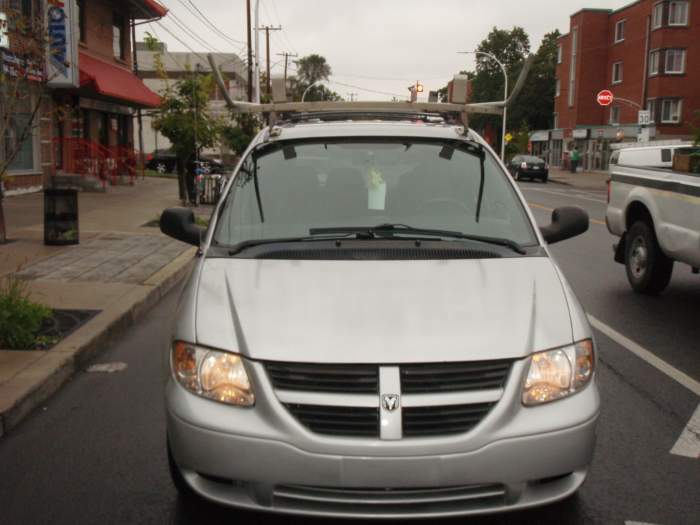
column 605, row 97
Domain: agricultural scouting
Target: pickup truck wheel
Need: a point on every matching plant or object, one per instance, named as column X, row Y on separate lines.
column 648, row 269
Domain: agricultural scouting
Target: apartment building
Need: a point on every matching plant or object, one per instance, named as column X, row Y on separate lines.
column 648, row 54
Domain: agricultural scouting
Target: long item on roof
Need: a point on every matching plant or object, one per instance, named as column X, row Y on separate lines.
column 458, row 108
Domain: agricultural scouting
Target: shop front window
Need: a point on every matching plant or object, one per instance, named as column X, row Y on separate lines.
column 19, row 141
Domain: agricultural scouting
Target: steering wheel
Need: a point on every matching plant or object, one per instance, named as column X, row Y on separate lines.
column 445, row 202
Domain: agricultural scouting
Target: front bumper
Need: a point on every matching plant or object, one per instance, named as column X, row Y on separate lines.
column 263, row 459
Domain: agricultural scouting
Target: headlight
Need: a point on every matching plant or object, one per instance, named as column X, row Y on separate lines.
column 559, row 373
column 215, row 375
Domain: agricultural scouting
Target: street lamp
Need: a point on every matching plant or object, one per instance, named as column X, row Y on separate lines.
column 505, row 95
column 303, row 96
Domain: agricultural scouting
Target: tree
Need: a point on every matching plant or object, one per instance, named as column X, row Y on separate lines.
column 237, row 136
column 535, row 105
column 183, row 118
column 21, row 87
column 310, row 70
column 510, row 47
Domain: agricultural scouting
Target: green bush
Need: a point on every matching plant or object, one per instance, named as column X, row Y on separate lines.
column 20, row 318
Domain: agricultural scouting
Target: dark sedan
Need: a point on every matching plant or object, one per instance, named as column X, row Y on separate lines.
column 528, row 167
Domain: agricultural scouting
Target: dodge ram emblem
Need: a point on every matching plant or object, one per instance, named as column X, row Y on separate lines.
column 390, row 402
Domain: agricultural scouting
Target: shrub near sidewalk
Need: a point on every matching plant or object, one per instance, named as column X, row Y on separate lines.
column 20, row 318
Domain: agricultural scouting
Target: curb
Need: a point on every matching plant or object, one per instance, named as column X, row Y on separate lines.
column 51, row 372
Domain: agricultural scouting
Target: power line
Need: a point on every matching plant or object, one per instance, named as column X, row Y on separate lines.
column 199, row 55
column 190, row 33
column 283, row 33
column 211, row 24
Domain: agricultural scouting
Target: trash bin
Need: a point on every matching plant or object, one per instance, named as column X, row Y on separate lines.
column 61, row 217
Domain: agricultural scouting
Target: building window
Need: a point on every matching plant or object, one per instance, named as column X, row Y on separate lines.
column 555, row 125
column 19, row 138
column 675, row 62
column 557, row 87
column 678, row 13
column 654, row 60
column 651, row 106
column 617, row 73
column 615, row 115
column 81, row 20
column 559, row 54
column 671, row 111
column 118, row 37
column 572, row 66
column 657, row 16
column 620, row 31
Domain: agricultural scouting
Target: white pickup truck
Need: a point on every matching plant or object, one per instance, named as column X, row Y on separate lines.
column 656, row 214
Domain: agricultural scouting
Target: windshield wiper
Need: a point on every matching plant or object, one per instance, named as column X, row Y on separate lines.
column 372, row 232
column 238, row 248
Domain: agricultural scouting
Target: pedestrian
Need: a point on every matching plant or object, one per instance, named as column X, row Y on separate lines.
column 575, row 158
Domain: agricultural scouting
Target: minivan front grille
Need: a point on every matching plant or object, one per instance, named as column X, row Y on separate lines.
column 443, row 420
column 454, row 377
column 338, row 421
column 349, row 400
column 347, row 379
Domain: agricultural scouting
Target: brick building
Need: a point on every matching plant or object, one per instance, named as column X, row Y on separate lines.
column 648, row 54
column 84, row 130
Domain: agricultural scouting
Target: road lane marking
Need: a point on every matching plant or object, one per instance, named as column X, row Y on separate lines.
column 546, row 208
column 688, row 444
column 644, row 354
column 573, row 195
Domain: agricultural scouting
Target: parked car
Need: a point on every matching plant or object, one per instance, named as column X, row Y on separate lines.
column 375, row 327
column 162, row 161
column 656, row 214
column 530, row 167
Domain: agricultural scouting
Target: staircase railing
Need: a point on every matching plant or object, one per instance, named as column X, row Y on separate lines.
column 91, row 159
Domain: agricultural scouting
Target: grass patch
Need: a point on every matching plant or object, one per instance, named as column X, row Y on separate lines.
column 20, row 318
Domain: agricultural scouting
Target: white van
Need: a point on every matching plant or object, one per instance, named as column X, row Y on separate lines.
column 659, row 156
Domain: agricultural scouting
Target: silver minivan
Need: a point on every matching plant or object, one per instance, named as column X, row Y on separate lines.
column 375, row 328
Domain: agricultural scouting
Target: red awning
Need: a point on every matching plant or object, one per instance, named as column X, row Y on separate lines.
column 115, row 82
column 148, row 9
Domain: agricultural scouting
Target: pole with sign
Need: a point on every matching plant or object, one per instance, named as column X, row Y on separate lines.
column 643, row 119
column 62, row 54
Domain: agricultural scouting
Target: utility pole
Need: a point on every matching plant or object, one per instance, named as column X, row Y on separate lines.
column 267, row 30
column 250, row 54
column 352, row 96
column 286, row 63
column 139, row 113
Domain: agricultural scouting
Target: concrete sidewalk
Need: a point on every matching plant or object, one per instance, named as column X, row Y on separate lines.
column 120, row 269
column 585, row 180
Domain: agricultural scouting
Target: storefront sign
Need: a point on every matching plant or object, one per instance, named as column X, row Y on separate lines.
column 16, row 66
column 580, row 133
column 106, row 107
column 4, row 32
column 540, row 136
column 62, row 32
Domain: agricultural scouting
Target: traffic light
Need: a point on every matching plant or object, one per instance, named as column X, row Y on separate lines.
column 419, row 87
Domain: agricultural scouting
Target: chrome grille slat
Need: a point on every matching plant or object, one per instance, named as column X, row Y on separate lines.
column 453, row 377
column 360, row 379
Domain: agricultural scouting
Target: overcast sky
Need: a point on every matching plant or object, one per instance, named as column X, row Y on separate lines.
column 381, row 45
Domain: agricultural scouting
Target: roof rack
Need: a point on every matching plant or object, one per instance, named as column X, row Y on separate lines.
column 449, row 111
column 359, row 115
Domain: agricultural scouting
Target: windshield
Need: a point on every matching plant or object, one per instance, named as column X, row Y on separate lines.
column 304, row 186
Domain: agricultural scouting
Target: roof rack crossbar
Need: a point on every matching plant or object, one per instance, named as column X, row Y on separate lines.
column 462, row 110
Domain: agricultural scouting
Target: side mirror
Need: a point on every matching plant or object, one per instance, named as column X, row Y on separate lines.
column 179, row 224
column 567, row 222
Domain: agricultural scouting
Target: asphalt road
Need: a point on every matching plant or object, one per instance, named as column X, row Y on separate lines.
column 96, row 454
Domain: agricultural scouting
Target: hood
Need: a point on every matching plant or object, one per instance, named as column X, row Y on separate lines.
column 382, row 311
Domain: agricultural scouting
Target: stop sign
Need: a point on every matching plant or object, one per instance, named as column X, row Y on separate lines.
column 605, row 97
